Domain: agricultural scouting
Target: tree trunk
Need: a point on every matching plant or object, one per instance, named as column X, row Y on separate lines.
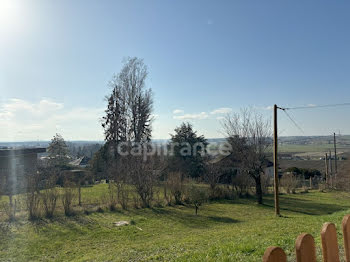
column 258, row 189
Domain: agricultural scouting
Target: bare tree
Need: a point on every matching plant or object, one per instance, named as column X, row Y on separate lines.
column 128, row 114
column 67, row 198
column 49, row 198
column 250, row 137
column 289, row 182
column 33, row 195
column 144, row 176
column 175, row 184
column 127, row 126
column 212, row 176
column 49, row 193
column 241, row 184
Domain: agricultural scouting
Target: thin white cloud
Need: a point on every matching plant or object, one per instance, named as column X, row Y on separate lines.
column 202, row 115
column 311, row 105
column 220, row 118
column 44, row 105
column 178, row 111
column 268, row 108
column 24, row 120
column 222, row 110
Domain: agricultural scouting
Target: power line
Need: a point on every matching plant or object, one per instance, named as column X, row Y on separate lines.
column 315, row 106
column 293, row 121
column 284, row 109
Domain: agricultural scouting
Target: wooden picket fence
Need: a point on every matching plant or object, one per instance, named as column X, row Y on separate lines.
column 305, row 246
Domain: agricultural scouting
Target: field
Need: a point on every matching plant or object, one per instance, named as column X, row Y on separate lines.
column 311, row 155
column 237, row 230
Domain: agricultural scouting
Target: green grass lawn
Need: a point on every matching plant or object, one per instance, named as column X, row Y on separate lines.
column 236, row 230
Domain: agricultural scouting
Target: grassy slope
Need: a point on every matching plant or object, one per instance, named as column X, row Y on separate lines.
column 223, row 231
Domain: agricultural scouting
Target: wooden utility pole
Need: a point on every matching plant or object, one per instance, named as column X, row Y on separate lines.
column 275, row 143
column 335, row 156
column 330, row 163
column 326, row 163
column 330, row 169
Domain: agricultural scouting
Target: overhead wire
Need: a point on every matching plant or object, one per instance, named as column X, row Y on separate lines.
column 293, row 121
column 315, row 106
column 284, row 109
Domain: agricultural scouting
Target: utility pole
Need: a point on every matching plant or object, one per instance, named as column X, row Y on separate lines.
column 275, row 145
column 326, row 163
column 330, row 168
column 330, row 163
column 335, row 156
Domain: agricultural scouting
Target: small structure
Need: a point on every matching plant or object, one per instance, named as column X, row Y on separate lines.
column 80, row 162
column 14, row 164
column 229, row 163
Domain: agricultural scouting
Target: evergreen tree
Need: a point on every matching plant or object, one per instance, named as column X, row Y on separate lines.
column 188, row 151
column 58, row 151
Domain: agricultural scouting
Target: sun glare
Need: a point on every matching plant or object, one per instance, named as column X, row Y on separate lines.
column 9, row 14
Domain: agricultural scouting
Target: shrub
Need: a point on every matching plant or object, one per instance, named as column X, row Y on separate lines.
column 241, row 183
column 196, row 195
column 221, row 192
column 32, row 195
column 289, row 183
column 136, row 202
column 33, row 205
column 69, row 195
column 143, row 179
column 10, row 210
column 123, row 195
column 49, row 198
column 112, row 197
column 175, row 185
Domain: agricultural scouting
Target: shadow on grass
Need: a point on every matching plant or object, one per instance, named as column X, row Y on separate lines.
column 187, row 217
column 308, row 207
column 57, row 224
column 226, row 220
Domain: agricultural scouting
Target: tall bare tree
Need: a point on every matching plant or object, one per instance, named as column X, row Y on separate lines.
column 250, row 137
column 128, row 114
column 128, row 122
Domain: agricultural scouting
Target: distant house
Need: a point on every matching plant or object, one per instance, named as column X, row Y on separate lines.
column 80, row 162
column 14, row 163
column 229, row 163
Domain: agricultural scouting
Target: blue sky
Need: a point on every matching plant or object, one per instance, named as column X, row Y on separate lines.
column 205, row 58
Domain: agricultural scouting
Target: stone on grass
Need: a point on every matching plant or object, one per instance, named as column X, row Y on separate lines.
column 121, row 223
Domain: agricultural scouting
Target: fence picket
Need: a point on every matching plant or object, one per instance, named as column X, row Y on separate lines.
column 330, row 248
column 305, row 248
column 274, row 254
column 346, row 235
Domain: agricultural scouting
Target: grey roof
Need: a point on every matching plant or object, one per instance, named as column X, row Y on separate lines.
column 82, row 161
